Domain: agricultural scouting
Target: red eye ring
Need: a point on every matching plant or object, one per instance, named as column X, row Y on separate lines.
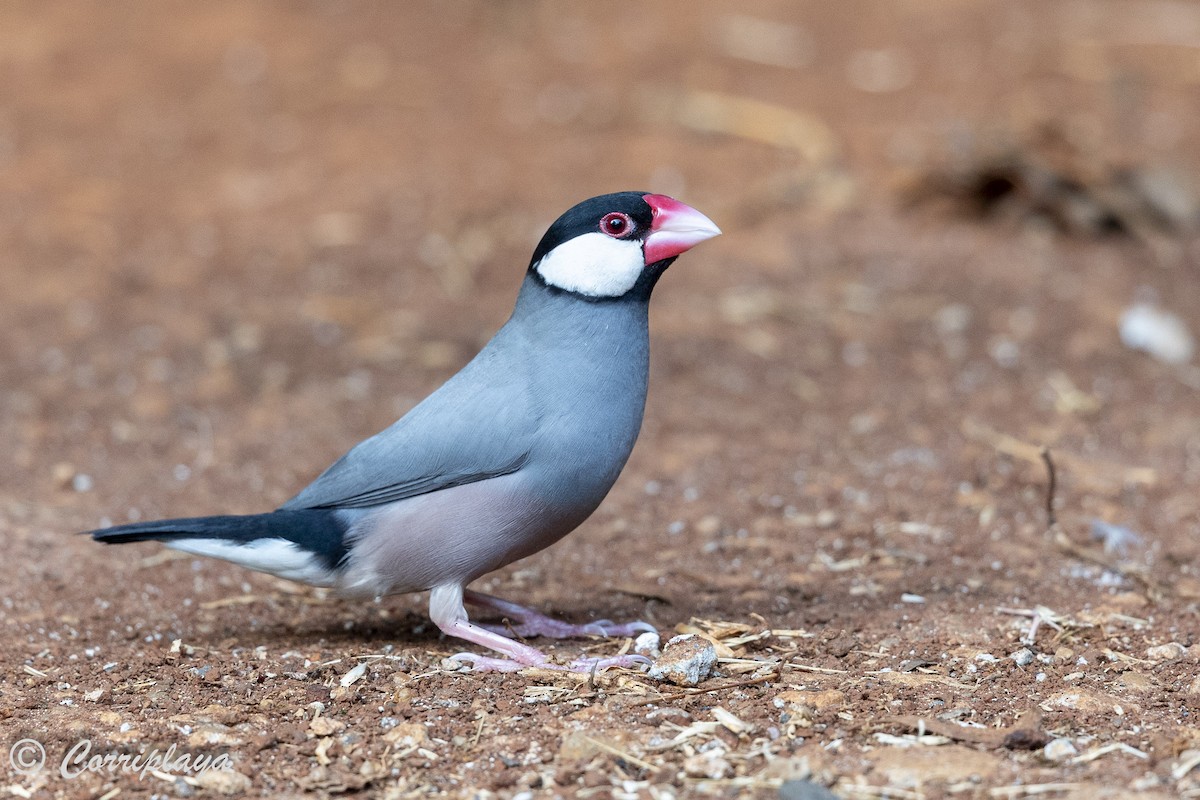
column 616, row 225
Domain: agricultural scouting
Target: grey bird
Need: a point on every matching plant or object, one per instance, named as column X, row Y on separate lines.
column 507, row 457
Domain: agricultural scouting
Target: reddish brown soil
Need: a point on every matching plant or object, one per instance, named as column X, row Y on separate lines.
column 236, row 239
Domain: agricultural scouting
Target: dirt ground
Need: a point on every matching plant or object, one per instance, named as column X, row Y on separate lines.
column 237, row 238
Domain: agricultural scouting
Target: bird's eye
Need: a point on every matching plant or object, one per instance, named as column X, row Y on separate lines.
column 616, row 225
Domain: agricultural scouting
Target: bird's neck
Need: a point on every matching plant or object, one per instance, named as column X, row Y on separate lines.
column 574, row 348
column 587, row 368
column 554, row 316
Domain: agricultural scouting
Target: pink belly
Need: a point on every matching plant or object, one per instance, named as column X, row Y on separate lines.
column 453, row 536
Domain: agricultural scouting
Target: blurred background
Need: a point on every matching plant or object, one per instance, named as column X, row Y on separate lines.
column 237, row 238
column 306, row 215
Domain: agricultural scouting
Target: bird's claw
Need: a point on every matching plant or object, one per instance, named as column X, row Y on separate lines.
column 556, row 629
column 478, row 663
column 629, row 661
column 609, row 629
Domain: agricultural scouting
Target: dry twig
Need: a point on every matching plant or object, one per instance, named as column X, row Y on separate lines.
column 1051, row 485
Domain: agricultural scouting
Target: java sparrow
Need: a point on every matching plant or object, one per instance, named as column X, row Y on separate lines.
column 507, row 457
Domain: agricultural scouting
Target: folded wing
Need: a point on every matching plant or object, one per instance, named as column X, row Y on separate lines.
column 481, row 424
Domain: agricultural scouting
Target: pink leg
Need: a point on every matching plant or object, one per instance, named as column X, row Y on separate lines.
column 530, row 622
column 447, row 612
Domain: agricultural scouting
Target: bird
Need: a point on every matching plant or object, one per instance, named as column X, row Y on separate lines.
column 509, row 455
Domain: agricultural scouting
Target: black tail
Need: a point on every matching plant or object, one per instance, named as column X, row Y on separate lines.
column 316, row 531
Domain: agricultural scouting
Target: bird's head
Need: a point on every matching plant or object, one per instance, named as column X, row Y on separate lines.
column 617, row 244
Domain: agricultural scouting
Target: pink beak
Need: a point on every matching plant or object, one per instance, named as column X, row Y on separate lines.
column 676, row 229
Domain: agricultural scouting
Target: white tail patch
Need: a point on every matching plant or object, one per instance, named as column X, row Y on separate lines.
column 594, row 264
column 273, row 556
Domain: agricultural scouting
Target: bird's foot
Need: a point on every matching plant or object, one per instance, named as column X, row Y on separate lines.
column 479, row 663
column 610, row 629
column 530, row 622
column 557, row 629
column 447, row 612
column 629, row 661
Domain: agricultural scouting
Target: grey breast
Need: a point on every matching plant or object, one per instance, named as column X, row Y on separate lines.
column 574, row 376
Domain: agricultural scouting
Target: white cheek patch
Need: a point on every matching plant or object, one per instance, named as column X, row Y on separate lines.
column 594, row 264
column 273, row 556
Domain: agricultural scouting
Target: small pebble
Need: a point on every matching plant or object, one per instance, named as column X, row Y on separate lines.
column 1159, row 333
column 1059, row 750
column 1166, row 652
column 1023, row 657
column 647, row 644
column 324, row 726
column 710, row 764
column 685, row 661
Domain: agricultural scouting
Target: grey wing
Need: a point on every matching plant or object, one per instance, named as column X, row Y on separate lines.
column 479, row 425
